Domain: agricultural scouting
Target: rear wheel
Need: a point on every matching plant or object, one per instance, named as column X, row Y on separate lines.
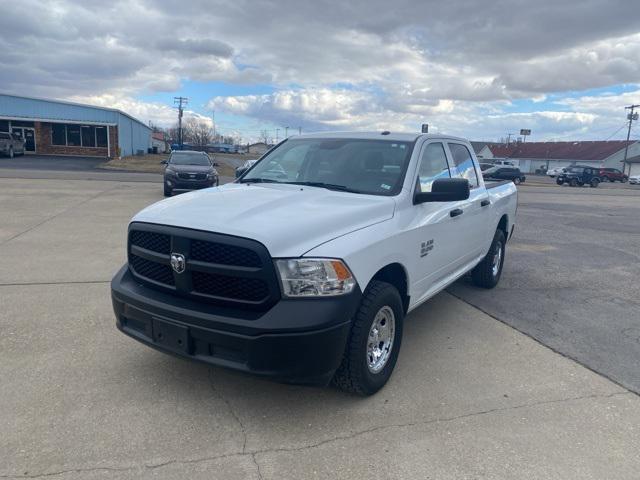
column 516, row 180
column 560, row 181
column 374, row 341
column 594, row 183
column 573, row 182
column 11, row 152
column 487, row 273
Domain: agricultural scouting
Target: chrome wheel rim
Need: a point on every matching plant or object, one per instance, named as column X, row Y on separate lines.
column 380, row 340
column 497, row 258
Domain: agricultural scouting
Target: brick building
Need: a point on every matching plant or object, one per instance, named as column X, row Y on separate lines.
column 52, row 127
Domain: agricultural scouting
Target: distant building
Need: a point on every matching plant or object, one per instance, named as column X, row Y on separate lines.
column 633, row 165
column 532, row 156
column 259, row 148
column 53, row 127
column 158, row 142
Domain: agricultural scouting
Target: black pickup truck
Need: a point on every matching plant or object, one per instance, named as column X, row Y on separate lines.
column 579, row 176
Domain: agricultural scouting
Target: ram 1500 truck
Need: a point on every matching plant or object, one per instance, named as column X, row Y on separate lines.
column 305, row 267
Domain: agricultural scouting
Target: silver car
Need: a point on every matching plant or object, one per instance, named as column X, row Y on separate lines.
column 11, row 144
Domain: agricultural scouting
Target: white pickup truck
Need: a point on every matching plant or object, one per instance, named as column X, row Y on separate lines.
column 304, row 269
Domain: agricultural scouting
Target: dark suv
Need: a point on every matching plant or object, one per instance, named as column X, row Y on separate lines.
column 189, row 170
column 579, row 176
column 612, row 175
column 504, row 173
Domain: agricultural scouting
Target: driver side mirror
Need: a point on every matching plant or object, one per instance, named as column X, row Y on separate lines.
column 444, row 190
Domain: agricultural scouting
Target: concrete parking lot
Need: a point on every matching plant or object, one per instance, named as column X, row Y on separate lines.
column 471, row 397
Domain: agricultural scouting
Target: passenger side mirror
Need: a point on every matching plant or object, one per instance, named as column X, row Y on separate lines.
column 444, row 190
column 163, row 162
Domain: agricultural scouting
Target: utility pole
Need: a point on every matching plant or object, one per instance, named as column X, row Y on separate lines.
column 286, row 132
column 181, row 102
column 509, row 137
column 631, row 116
column 277, row 132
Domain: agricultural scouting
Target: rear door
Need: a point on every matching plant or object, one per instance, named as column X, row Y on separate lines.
column 474, row 222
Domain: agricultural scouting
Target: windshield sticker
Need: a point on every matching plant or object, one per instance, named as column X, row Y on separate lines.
column 385, row 186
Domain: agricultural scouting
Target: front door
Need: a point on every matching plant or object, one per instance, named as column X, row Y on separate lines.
column 436, row 237
column 30, row 139
column 28, row 135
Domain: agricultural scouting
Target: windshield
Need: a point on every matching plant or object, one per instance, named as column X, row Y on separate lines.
column 574, row 170
column 189, row 159
column 375, row 167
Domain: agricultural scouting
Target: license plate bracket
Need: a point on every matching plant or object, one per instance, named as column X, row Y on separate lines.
column 171, row 335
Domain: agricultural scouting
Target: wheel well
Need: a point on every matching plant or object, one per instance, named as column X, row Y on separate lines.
column 396, row 275
column 503, row 225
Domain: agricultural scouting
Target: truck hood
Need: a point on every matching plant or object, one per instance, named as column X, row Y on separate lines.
column 289, row 220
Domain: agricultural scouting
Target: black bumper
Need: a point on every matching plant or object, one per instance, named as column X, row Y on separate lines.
column 298, row 341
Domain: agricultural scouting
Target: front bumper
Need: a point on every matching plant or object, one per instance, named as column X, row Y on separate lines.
column 298, row 341
column 180, row 184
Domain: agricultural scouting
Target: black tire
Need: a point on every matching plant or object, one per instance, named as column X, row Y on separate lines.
column 605, row 179
column 483, row 274
column 573, row 182
column 594, row 183
column 167, row 192
column 560, row 181
column 516, row 180
column 353, row 375
column 11, row 154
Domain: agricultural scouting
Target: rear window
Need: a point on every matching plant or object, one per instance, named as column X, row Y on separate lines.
column 464, row 163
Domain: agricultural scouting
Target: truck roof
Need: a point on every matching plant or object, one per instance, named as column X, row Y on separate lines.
column 382, row 135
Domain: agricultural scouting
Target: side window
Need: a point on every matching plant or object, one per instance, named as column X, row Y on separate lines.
column 433, row 165
column 464, row 163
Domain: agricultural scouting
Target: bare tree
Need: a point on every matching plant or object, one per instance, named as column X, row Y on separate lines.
column 196, row 132
column 264, row 136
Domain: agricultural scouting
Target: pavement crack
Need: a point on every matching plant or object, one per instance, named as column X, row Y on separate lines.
column 253, row 454
column 233, row 413
column 71, row 470
column 432, row 421
column 255, row 462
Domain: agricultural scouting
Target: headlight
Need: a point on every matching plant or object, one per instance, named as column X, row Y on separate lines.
column 318, row 277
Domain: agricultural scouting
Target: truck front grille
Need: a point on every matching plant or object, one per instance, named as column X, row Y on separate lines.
column 219, row 269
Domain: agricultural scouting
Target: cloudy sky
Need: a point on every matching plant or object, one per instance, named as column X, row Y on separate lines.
column 480, row 69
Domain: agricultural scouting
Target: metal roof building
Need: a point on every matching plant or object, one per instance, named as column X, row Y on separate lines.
column 53, row 127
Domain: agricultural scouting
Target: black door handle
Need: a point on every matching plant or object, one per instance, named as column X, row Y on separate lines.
column 485, row 202
column 455, row 212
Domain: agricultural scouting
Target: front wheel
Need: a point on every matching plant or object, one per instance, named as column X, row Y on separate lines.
column 167, row 191
column 374, row 341
column 560, row 181
column 11, row 153
column 573, row 182
column 487, row 273
column 516, row 181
